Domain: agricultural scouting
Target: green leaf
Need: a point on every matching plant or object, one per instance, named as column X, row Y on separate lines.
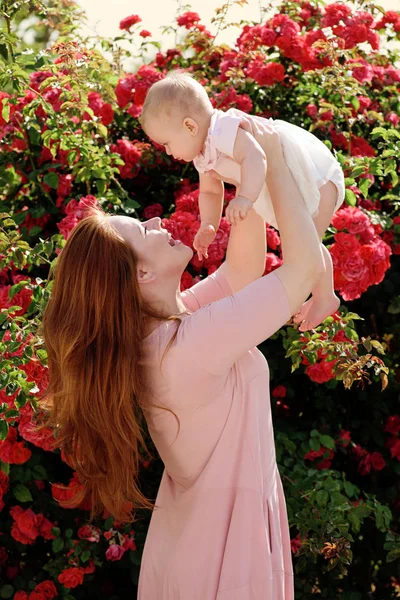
column 349, row 488
column 56, row 531
column 315, row 444
column 11, row 414
column 364, row 186
column 331, row 485
column 5, row 111
column 393, row 555
column 71, row 157
column 357, row 171
column 6, row 591
column 86, row 554
column 108, row 523
column 5, row 467
column 102, row 129
column 39, row 472
column 129, row 206
column 350, row 198
column 327, row 441
column 322, row 497
column 101, row 186
column 58, row 544
column 3, row 430
column 35, row 230
column 354, row 521
column 21, row 493
column 51, row 179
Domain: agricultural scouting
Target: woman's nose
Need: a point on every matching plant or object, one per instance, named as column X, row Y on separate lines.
column 167, row 150
column 154, row 223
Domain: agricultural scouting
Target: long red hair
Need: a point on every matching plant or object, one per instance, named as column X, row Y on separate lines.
column 93, row 329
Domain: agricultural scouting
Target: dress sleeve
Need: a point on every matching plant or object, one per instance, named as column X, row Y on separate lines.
column 225, row 131
column 216, row 335
column 212, row 288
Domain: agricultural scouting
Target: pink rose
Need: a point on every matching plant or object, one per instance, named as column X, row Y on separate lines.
column 115, row 552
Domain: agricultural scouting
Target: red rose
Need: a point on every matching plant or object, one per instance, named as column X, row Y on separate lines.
column 377, row 461
column 265, row 74
column 47, row 588
column 344, row 437
column 395, row 449
column 153, row 210
column 229, row 98
column 128, row 22
column 354, row 267
column 21, row 595
column 364, row 466
column 268, row 36
column 321, row 372
column 26, row 521
column 71, row 578
column 3, row 484
column 312, row 110
column 144, row 33
column 334, row 13
column 273, row 239
column 295, row 544
column 45, row 528
column 360, row 147
column 43, row 438
column 272, row 262
column 89, row 532
column 129, row 542
column 393, row 424
column 188, row 19
column 35, row 595
column 186, row 281
column 279, row 391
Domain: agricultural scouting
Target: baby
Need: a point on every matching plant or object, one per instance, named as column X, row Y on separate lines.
column 178, row 114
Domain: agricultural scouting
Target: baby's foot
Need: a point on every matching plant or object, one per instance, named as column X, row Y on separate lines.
column 204, row 237
column 313, row 312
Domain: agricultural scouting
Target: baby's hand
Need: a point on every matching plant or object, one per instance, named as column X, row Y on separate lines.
column 205, row 235
column 237, row 209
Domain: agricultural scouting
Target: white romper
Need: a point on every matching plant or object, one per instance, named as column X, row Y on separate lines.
column 309, row 160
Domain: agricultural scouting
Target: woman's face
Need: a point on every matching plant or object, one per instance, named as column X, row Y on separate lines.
column 157, row 251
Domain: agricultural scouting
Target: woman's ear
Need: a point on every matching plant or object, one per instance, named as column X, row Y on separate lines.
column 191, row 125
column 145, row 275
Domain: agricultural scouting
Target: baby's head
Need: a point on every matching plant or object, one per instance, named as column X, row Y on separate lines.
column 176, row 114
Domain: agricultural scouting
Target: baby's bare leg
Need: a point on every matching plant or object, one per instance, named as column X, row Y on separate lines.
column 324, row 301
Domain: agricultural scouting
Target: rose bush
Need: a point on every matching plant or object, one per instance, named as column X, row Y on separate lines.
column 70, row 138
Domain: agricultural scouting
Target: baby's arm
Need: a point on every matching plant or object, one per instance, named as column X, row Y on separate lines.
column 211, row 200
column 251, row 157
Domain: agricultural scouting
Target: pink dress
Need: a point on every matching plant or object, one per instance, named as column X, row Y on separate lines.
column 219, row 530
column 309, row 160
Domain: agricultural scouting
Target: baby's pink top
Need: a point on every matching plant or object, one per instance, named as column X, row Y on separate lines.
column 220, row 529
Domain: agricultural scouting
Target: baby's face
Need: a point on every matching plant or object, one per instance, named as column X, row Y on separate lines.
column 181, row 138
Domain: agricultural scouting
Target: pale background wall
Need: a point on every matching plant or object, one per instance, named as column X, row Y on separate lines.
column 104, row 16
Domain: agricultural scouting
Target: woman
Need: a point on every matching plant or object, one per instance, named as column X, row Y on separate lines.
column 121, row 339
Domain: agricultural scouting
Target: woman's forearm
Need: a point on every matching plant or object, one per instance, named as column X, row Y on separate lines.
column 245, row 255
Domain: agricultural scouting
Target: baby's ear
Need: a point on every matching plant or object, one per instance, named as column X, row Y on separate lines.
column 190, row 125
